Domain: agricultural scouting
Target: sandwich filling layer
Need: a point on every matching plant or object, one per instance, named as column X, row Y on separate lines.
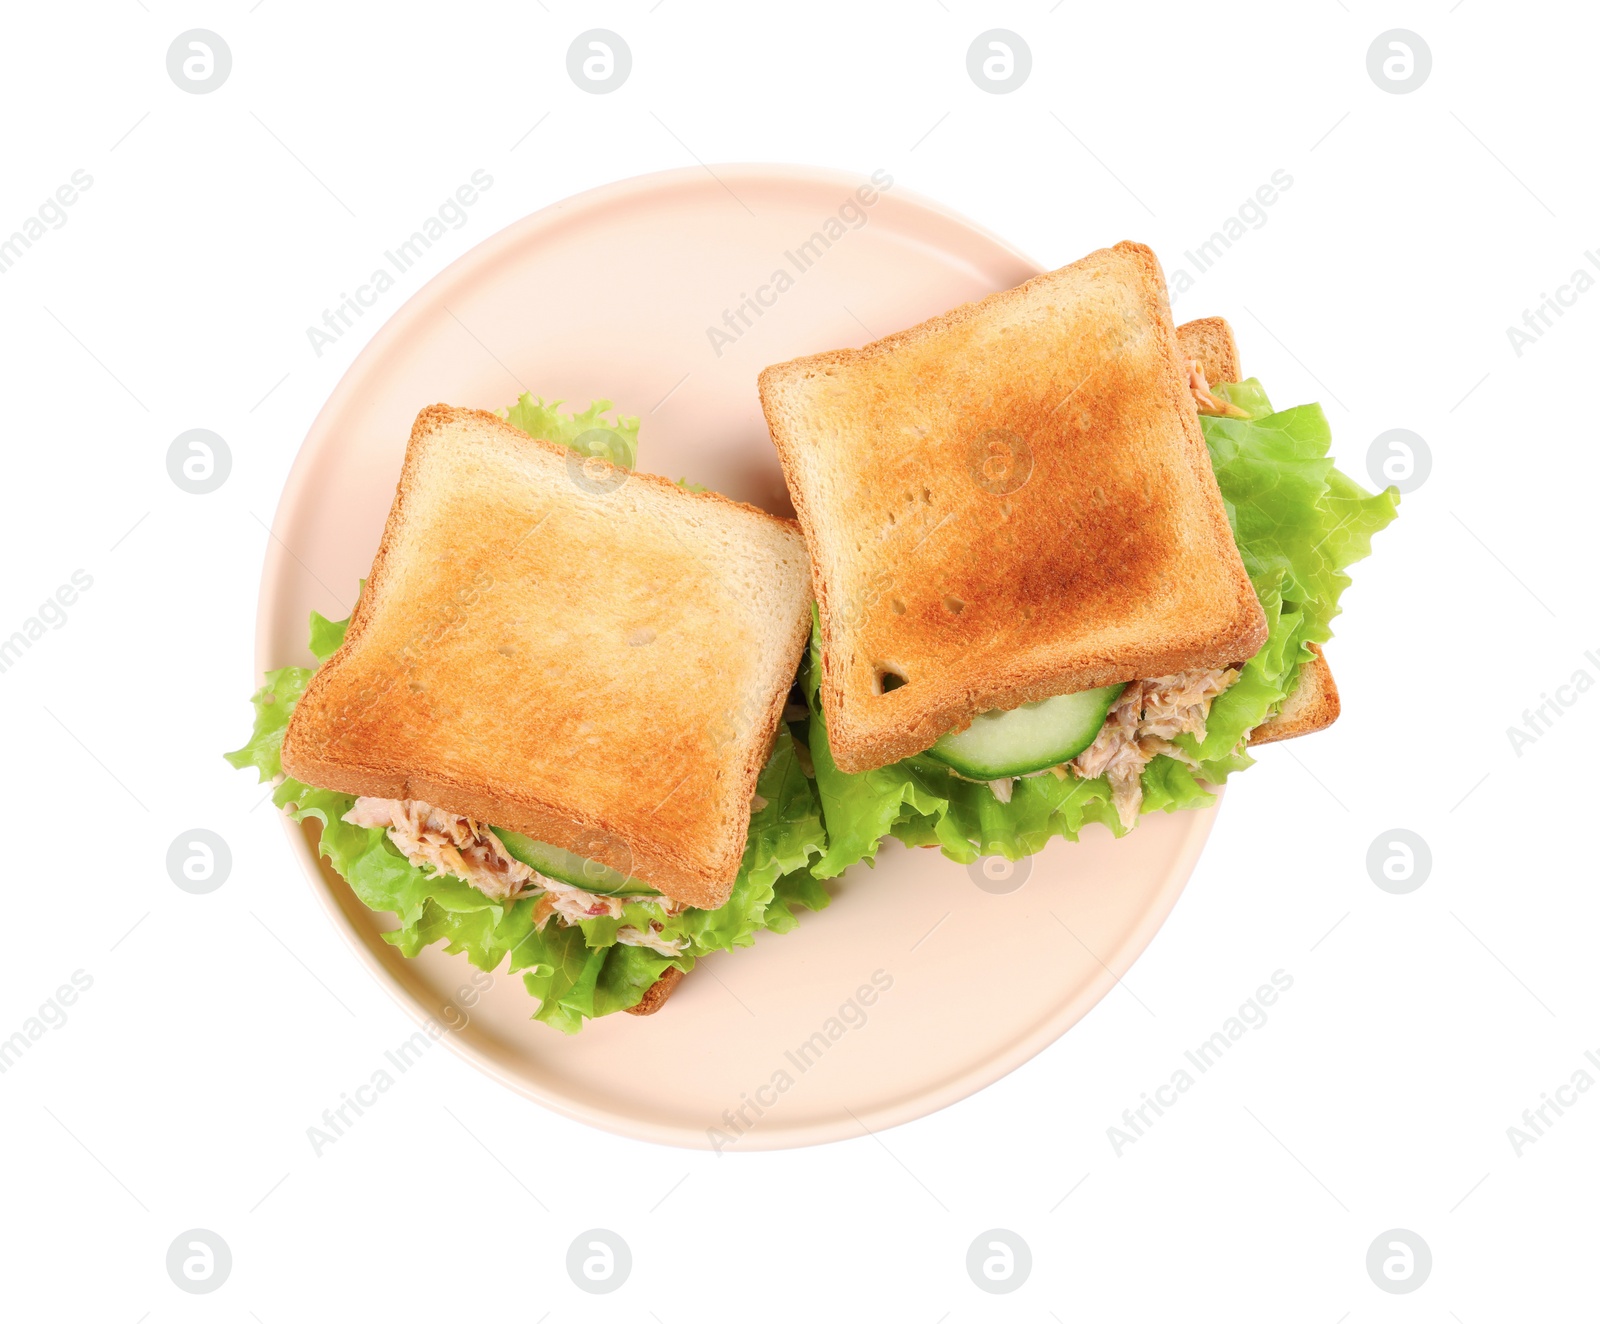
column 1141, row 726
column 454, row 844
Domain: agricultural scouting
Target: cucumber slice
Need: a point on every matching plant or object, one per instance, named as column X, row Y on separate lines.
column 565, row 867
column 1036, row 736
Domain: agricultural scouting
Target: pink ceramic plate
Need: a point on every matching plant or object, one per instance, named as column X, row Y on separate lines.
column 668, row 294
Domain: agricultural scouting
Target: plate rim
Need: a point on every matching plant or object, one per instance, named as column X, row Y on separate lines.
column 903, row 1108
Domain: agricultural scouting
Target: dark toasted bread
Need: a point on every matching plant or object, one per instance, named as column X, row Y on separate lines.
column 656, row 995
column 1008, row 502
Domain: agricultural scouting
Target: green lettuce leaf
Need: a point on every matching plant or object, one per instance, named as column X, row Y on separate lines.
column 1298, row 523
column 923, row 803
column 326, row 635
column 276, row 699
column 859, row 809
column 588, row 433
column 273, row 703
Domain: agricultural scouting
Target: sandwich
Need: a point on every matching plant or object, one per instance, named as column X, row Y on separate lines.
column 551, row 734
column 1063, row 573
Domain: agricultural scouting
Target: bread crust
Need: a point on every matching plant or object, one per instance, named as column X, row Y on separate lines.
column 1110, row 561
column 656, row 995
column 1312, row 706
column 1210, row 340
column 592, row 657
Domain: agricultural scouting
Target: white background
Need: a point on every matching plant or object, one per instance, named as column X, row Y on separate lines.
column 217, row 1028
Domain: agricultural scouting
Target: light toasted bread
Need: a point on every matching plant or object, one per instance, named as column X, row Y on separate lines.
column 1210, row 339
column 1005, row 503
column 1314, row 704
column 594, row 658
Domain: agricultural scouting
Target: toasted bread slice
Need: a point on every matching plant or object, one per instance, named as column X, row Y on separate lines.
column 1210, row 339
column 1313, row 705
column 595, row 658
column 1005, row 503
column 1315, row 701
column 656, row 995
